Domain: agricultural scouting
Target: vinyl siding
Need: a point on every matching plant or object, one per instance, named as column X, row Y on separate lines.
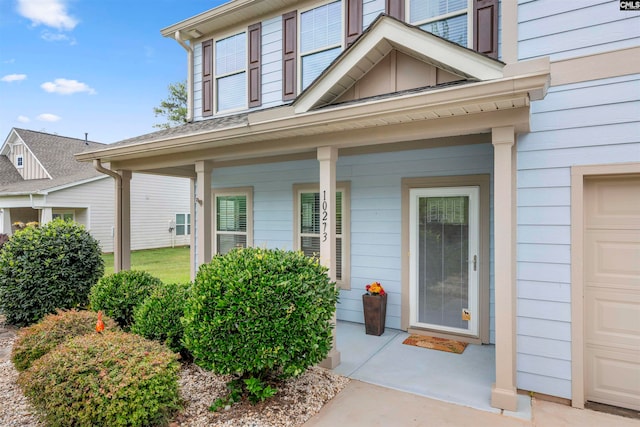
column 370, row 11
column 595, row 122
column 31, row 168
column 375, row 210
column 154, row 202
column 197, row 81
column 565, row 29
column 272, row 62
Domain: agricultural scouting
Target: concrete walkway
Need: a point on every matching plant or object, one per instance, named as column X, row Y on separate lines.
column 363, row 404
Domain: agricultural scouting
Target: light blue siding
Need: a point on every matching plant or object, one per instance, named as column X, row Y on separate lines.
column 197, row 81
column 566, row 29
column 272, row 62
column 370, row 11
column 375, row 209
column 595, row 122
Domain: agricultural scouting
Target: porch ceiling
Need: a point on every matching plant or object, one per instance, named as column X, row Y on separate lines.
column 270, row 134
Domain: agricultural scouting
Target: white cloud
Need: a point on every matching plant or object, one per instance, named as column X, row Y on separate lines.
column 52, row 13
column 9, row 61
column 23, row 119
column 13, row 78
column 47, row 117
column 67, row 87
column 57, row 37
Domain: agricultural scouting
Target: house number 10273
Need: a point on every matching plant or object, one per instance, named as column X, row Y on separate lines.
column 325, row 215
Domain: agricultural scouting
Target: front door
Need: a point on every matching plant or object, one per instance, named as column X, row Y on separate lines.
column 444, row 259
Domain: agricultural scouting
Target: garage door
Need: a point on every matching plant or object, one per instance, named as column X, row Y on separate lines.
column 612, row 291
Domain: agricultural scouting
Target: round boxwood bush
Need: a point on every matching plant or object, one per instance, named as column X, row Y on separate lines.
column 37, row 340
column 117, row 295
column 108, row 379
column 158, row 317
column 256, row 313
column 47, row 268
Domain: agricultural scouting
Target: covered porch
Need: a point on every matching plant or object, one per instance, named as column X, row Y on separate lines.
column 488, row 107
column 463, row 379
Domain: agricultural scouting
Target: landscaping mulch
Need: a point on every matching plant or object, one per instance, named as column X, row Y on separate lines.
column 296, row 401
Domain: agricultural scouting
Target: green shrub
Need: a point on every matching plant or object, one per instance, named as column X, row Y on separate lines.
column 117, row 295
column 158, row 317
column 37, row 340
column 47, row 268
column 109, row 379
column 258, row 313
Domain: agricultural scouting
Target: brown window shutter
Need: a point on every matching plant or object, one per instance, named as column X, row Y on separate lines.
column 485, row 27
column 207, row 78
column 289, row 55
column 395, row 8
column 255, row 69
column 353, row 20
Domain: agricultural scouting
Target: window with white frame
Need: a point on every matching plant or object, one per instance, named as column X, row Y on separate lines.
column 64, row 215
column 231, row 72
column 183, row 224
column 307, row 226
column 449, row 19
column 320, row 39
column 19, row 161
column 232, row 219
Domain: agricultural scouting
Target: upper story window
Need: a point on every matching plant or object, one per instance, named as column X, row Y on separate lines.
column 231, row 72
column 19, row 161
column 320, row 40
column 449, row 19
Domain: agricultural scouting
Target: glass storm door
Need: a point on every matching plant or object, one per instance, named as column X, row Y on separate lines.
column 444, row 259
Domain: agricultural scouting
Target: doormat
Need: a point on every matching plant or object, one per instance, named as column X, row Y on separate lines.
column 435, row 343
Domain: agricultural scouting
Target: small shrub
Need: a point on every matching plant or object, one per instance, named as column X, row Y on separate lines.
column 258, row 313
column 117, row 295
column 47, row 268
column 37, row 340
column 109, row 379
column 158, row 317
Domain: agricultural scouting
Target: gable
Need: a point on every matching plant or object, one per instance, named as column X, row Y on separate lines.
column 398, row 72
column 376, row 44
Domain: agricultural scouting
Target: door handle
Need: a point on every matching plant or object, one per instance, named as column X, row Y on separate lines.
column 475, row 262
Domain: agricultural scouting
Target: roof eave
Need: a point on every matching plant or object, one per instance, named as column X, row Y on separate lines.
column 316, row 121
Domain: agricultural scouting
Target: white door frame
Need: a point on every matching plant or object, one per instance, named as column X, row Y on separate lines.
column 473, row 193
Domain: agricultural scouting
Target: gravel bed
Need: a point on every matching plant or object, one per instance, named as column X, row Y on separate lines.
column 296, row 401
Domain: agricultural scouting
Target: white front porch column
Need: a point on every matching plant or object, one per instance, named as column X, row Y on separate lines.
column 6, row 221
column 327, row 157
column 203, row 214
column 46, row 215
column 122, row 237
column 504, row 393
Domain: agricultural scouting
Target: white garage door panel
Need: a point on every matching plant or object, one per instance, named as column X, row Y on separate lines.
column 609, row 258
column 612, row 290
column 613, row 319
column 615, row 378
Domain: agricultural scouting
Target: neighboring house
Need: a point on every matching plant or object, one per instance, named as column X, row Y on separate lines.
column 41, row 180
column 479, row 158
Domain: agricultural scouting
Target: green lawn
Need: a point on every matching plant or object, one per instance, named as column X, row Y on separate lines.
column 171, row 265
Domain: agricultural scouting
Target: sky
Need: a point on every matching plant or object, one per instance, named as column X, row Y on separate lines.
column 98, row 66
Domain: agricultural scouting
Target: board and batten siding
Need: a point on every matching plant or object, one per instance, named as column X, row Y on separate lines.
column 154, row 202
column 31, row 167
column 595, row 122
column 567, row 29
column 375, row 210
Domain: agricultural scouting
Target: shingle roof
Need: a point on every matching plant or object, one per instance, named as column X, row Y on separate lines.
column 55, row 153
column 187, row 129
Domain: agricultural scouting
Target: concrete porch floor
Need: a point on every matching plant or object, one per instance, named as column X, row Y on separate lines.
column 462, row 379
